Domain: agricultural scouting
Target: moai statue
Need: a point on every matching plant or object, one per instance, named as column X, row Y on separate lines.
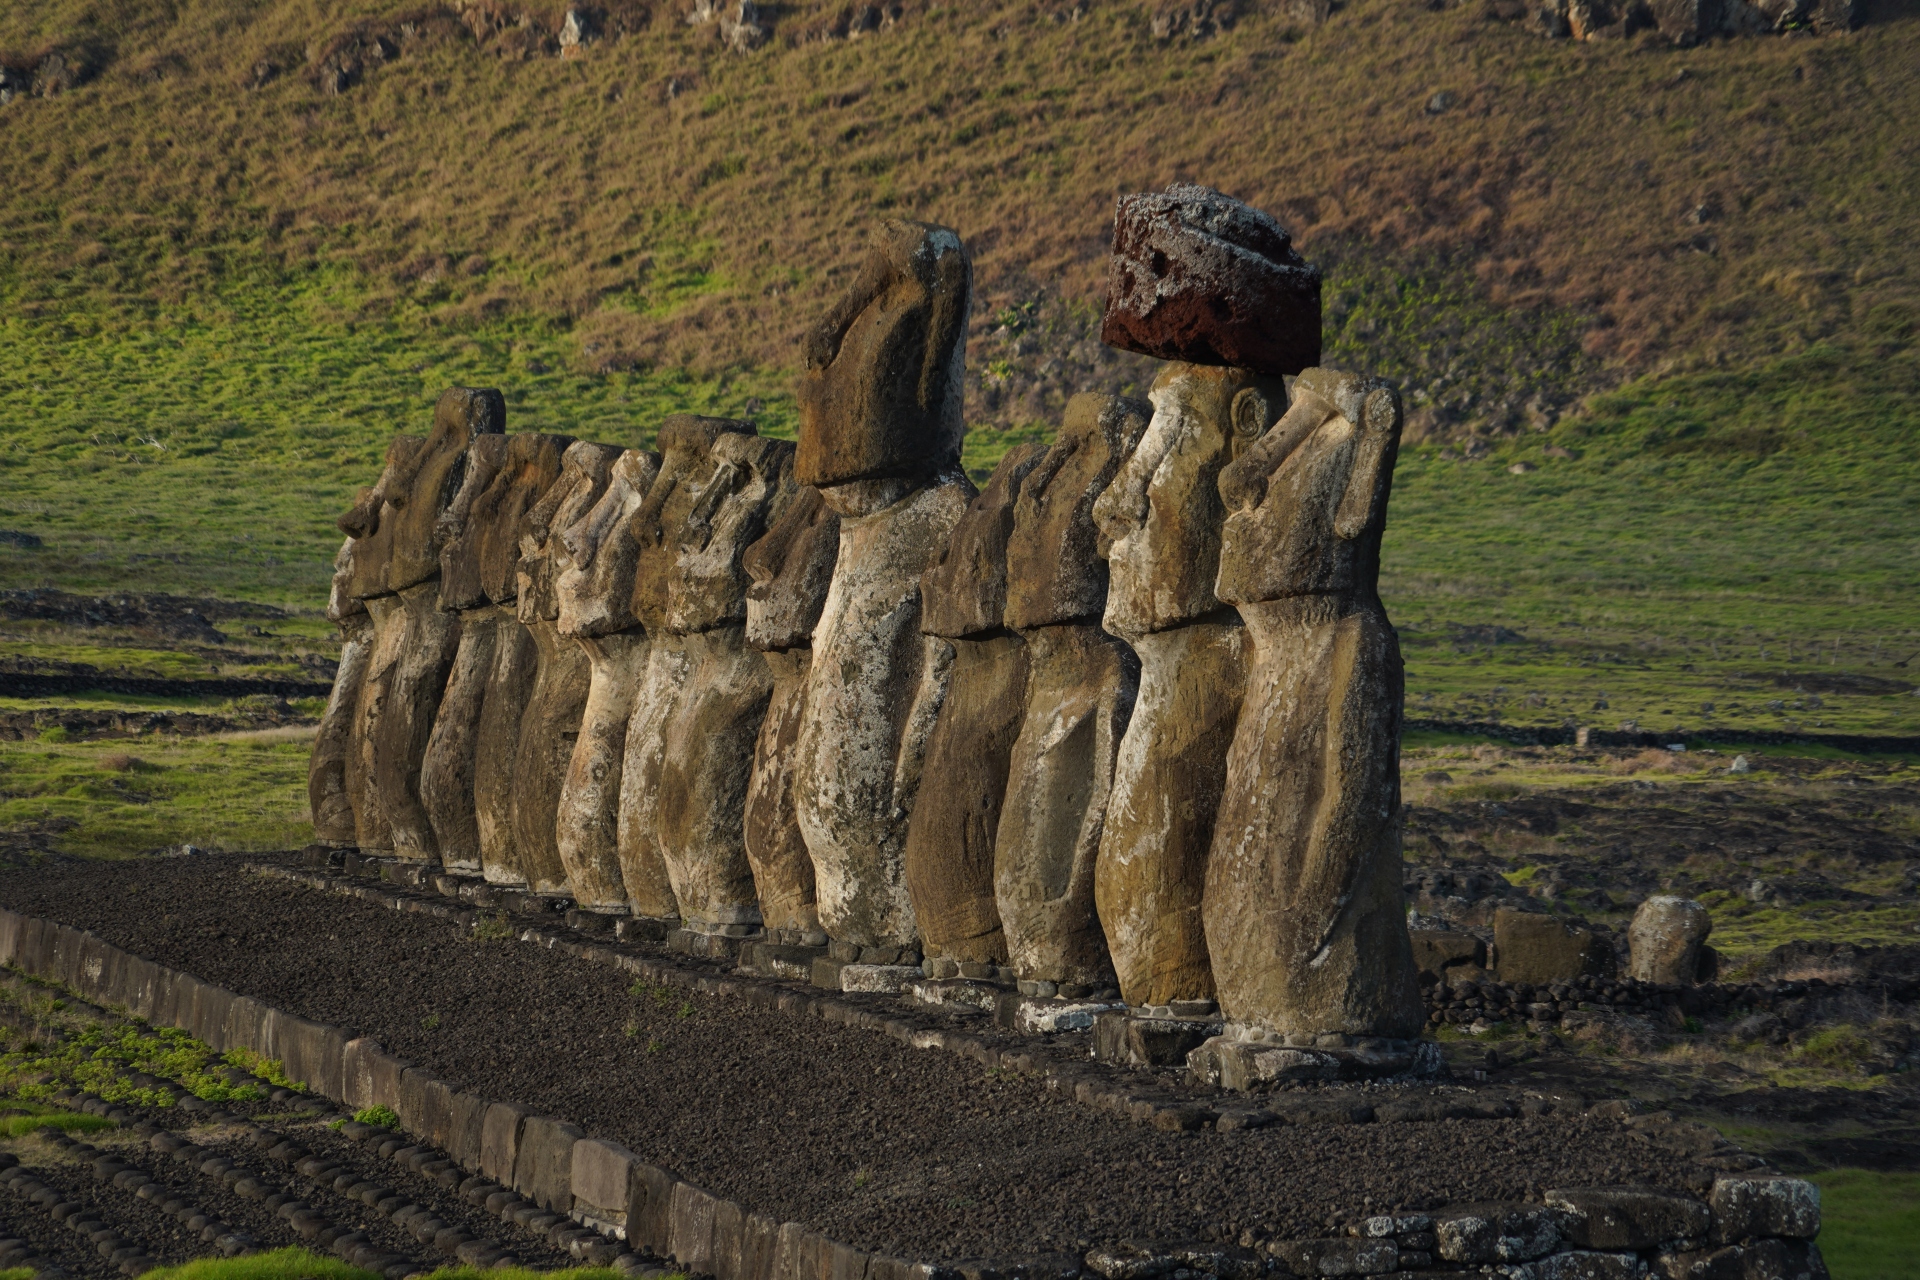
column 880, row 430
column 1304, row 911
column 791, row 568
column 1205, row 280
column 446, row 775
column 686, row 464
column 499, row 518
column 596, row 612
column 706, row 764
column 1080, row 691
column 422, row 649
column 975, row 673
column 558, row 701
column 328, row 767
column 366, row 582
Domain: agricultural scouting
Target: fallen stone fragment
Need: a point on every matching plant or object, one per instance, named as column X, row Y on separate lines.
column 1665, row 940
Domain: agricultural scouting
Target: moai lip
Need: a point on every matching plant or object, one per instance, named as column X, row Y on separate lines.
column 1304, row 910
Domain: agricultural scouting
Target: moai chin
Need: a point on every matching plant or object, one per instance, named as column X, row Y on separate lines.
column 596, row 611
column 975, row 672
column 561, row 672
column 1204, row 279
column 495, row 524
column 880, row 429
column 328, row 767
column 1080, row 690
column 446, row 773
column 686, row 443
column 706, row 765
column 792, row 569
column 1304, row 911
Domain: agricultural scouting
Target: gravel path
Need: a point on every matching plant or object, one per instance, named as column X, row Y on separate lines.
column 911, row 1152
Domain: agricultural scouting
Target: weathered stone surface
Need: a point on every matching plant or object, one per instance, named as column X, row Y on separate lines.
column 497, row 742
column 792, row 569
column 782, row 871
column 412, row 668
column 1198, row 276
column 1534, row 948
column 1056, row 559
column 1750, row 1260
column 458, row 535
column 860, row 745
column 595, row 597
column 500, row 1140
column 1442, row 952
column 881, row 393
column 372, row 520
column 1304, row 916
column 502, row 515
column 552, row 718
column 1665, row 938
column 446, row 774
column 601, row 1177
column 1341, row 1256
column 981, row 699
column 1228, row 1061
column 1081, row 685
column 543, row 1162
column 744, row 495
column 1495, row 1233
column 433, row 478
column 1582, row 1264
column 329, row 793
column 1764, row 1205
column 1627, row 1217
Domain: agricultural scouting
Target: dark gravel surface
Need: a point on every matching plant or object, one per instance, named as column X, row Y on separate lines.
column 913, row 1152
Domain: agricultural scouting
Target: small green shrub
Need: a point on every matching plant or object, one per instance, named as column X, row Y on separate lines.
column 381, row 1116
column 71, row 1122
column 1842, row 1048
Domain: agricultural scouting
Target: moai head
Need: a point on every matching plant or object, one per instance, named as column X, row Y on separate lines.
column 750, row 485
column 371, row 522
column 792, row 567
column 1056, row 559
column 596, row 589
column 341, row 604
column 500, row 516
column 686, row 444
column 460, row 586
column 880, row 399
column 1199, row 277
column 964, row 592
column 1307, row 502
column 429, row 484
column 584, row 472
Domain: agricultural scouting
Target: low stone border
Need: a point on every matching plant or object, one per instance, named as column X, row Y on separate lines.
column 1753, row 1226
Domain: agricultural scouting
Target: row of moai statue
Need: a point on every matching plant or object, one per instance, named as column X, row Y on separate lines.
column 1126, row 718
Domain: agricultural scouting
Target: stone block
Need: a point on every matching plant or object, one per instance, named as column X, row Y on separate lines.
column 1038, row 1015
column 953, row 994
column 1665, row 939
column 759, row 1247
column 500, row 1140
column 469, row 1130
column 885, row 1267
column 1583, row 1264
column 1343, row 1256
column 602, row 1173
column 211, row 1006
column 543, row 1163
column 1135, row 1040
column 1533, row 948
column 96, row 963
column 690, row 1227
column 1768, row 1259
column 883, row 979
column 846, row 1263
column 312, row 1053
column 1497, row 1232
column 10, row 926
column 650, row 1208
column 36, row 946
column 1438, row 951
column 1627, row 1218
column 426, row 1107
column 357, row 1055
column 1226, row 1063
column 143, row 985
column 792, row 1252
column 66, row 959
column 250, row 1026
column 729, row 1227
column 826, row 972
column 1760, row 1205
column 166, row 998
column 387, row 1072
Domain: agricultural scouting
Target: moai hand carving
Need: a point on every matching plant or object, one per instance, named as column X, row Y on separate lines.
column 596, row 611
column 792, row 568
column 333, row 757
column 880, row 429
column 561, row 674
column 707, row 761
column 976, row 675
column 1304, row 912
column 446, row 774
column 1081, row 687
column 1195, row 274
column 496, row 522
column 686, row 463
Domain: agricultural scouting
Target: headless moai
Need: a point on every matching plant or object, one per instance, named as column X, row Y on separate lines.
column 880, row 431
column 791, row 568
column 706, row 765
column 496, row 522
column 596, row 611
column 975, row 672
column 551, row 722
column 686, row 464
column 1080, row 690
column 1304, row 910
column 1198, row 277
column 328, row 796
column 446, row 774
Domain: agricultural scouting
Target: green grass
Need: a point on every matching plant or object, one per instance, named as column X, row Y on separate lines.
column 69, row 1121
column 237, row 792
column 299, row 1264
column 1870, row 1223
column 102, row 1057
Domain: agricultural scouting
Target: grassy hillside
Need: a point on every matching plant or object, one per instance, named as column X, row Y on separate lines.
column 1677, row 283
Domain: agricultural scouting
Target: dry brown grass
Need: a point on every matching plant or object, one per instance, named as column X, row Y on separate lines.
column 677, row 203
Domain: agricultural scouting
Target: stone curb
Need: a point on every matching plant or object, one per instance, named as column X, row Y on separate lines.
column 709, row 1235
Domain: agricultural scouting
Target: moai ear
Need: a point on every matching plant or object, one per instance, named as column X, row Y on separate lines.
column 1251, row 416
column 1373, row 457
